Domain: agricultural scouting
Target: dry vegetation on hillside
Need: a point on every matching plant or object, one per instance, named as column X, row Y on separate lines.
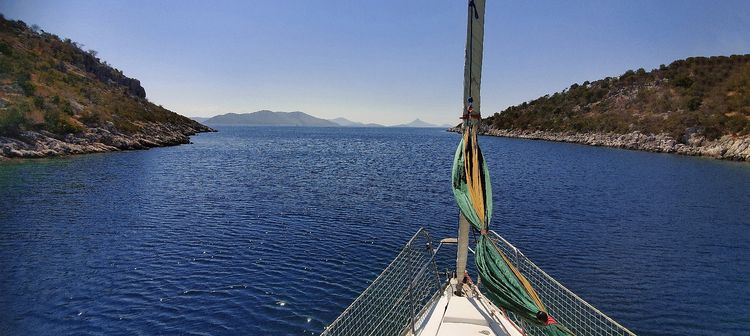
column 700, row 95
column 52, row 84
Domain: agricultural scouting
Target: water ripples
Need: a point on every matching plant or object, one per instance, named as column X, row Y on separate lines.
column 276, row 230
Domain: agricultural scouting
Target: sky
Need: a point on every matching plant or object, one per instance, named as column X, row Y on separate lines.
column 383, row 61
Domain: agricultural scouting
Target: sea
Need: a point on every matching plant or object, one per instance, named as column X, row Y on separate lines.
column 276, row 230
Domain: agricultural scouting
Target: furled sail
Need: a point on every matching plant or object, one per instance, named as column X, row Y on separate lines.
column 505, row 285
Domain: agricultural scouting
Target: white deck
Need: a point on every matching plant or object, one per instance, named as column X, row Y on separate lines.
column 471, row 314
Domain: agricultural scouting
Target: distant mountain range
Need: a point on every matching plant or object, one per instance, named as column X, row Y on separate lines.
column 270, row 118
column 421, row 123
column 348, row 123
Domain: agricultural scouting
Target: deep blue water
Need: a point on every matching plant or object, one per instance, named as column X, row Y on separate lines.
column 276, row 230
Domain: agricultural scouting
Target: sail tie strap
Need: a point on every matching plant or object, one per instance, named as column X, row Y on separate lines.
column 474, row 6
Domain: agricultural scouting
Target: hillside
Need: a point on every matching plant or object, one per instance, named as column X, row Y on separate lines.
column 57, row 99
column 696, row 106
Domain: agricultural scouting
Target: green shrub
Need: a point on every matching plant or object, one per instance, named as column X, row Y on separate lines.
column 12, row 119
column 24, row 81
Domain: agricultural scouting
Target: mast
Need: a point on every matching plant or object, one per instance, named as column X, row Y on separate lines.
column 472, row 81
column 474, row 52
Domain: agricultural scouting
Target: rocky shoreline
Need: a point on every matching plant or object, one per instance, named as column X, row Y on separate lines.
column 736, row 148
column 32, row 144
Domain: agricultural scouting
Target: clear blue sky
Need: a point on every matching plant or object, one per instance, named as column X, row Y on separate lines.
column 380, row 60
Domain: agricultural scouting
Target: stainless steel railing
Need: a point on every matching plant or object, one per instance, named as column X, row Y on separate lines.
column 394, row 300
column 393, row 306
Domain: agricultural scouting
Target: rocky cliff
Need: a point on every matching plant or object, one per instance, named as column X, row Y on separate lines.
column 37, row 144
column 728, row 147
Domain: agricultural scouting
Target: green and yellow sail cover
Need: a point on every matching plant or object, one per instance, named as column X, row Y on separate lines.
column 504, row 285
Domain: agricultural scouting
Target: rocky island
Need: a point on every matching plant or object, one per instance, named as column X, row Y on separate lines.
column 697, row 106
column 58, row 99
